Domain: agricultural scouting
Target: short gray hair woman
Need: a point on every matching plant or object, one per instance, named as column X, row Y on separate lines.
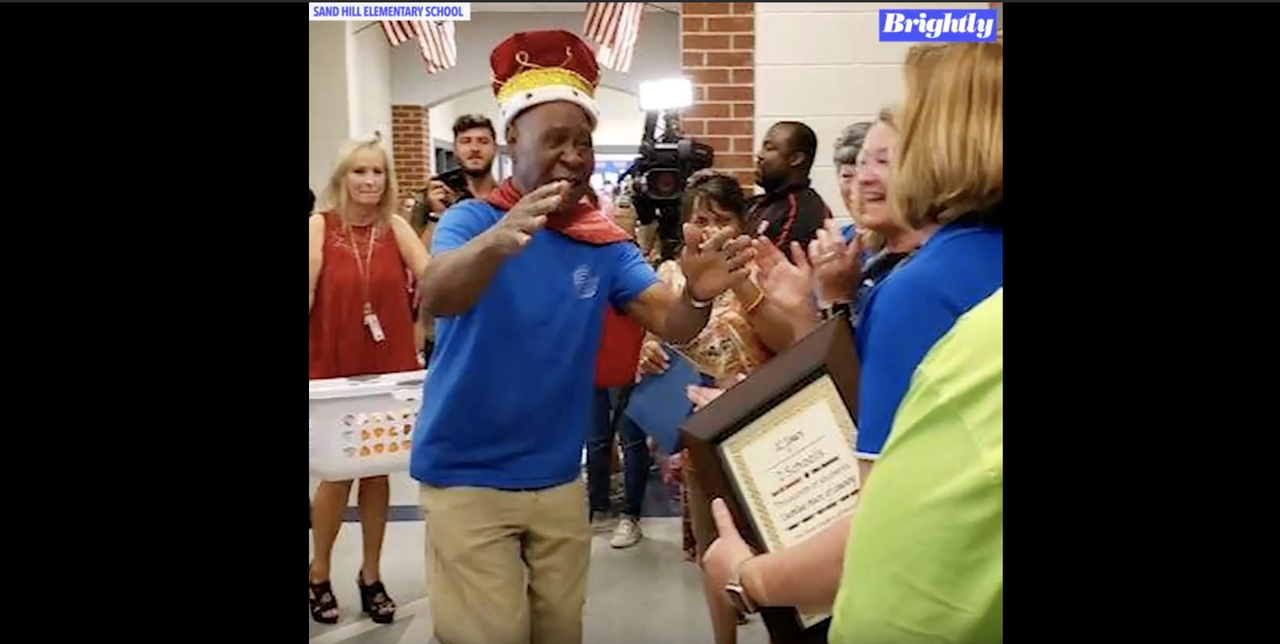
column 845, row 159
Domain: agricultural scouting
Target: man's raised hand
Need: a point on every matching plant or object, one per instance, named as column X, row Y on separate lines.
column 528, row 216
column 713, row 264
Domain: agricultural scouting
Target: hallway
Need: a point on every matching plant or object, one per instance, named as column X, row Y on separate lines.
column 647, row 591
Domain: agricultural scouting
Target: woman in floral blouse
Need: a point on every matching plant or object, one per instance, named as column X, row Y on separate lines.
column 731, row 346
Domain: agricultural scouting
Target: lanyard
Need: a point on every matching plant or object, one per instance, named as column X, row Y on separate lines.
column 365, row 268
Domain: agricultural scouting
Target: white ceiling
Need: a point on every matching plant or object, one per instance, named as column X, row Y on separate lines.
column 551, row 7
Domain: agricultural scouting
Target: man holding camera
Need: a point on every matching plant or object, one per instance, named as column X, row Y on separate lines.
column 474, row 146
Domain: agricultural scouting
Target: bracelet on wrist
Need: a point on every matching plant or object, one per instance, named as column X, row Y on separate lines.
column 697, row 304
column 835, row 309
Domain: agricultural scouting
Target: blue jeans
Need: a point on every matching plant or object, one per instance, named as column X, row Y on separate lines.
column 606, row 419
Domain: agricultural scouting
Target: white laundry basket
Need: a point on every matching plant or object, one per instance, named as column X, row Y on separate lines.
column 363, row 427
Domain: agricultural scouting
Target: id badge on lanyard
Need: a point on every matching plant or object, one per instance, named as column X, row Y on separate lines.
column 375, row 327
column 365, row 268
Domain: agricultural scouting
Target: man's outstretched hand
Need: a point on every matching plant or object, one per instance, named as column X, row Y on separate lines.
column 712, row 264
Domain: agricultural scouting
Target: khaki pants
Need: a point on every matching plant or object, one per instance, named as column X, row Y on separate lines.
column 507, row 567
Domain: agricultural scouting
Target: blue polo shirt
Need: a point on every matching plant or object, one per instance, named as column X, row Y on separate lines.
column 507, row 403
column 908, row 312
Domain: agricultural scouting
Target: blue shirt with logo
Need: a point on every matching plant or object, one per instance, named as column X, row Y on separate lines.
column 912, row 308
column 507, row 402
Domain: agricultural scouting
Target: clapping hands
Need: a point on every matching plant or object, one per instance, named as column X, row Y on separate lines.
column 829, row 272
column 837, row 264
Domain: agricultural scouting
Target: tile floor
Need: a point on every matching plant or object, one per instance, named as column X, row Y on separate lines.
column 648, row 592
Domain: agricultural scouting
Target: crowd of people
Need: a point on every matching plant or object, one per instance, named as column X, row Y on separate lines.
column 536, row 311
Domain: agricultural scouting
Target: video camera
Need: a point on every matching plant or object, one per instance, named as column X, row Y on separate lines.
column 660, row 173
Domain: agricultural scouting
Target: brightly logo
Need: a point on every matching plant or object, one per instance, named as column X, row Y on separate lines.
column 938, row 25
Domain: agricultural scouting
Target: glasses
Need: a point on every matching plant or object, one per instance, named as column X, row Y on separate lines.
column 873, row 163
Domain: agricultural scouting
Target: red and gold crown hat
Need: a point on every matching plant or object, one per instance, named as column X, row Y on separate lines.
column 536, row 67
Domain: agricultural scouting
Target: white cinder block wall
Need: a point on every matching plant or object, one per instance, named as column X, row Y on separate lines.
column 369, row 78
column 823, row 64
column 328, row 113
column 349, row 91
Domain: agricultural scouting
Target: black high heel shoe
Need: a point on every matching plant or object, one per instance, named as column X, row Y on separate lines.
column 322, row 601
column 375, row 601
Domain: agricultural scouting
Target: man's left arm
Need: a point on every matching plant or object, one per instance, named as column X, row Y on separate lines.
column 661, row 310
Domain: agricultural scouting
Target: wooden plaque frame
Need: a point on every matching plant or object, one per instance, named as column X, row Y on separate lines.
column 828, row 351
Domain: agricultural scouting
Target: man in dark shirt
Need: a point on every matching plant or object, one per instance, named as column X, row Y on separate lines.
column 790, row 210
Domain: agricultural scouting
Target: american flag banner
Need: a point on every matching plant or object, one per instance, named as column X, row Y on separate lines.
column 437, row 41
column 615, row 28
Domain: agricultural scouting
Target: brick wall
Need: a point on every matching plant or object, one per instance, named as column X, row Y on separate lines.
column 411, row 146
column 718, row 49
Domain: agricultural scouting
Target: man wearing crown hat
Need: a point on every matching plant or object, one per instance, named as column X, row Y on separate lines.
column 505, row 414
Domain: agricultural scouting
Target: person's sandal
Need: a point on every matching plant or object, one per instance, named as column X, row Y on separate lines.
column 375, row 601
column 322, row 601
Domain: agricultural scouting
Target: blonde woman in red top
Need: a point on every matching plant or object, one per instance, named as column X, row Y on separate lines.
column 361, row 256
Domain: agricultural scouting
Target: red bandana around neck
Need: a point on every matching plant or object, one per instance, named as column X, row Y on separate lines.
column 584, row 223
column 620, row 340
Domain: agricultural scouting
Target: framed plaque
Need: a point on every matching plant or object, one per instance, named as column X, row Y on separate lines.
column 778, row 448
